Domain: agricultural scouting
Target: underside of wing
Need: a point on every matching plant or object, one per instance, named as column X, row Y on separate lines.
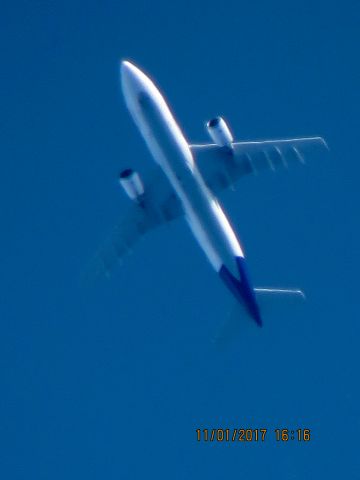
column 158, row 205
column 221, row 167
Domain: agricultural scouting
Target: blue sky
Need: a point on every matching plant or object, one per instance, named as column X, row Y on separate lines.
column 112, row 382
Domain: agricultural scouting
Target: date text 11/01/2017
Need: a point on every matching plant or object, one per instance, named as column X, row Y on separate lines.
column 252, row 435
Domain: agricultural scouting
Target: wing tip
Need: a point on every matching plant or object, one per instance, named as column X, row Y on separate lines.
column 325, row 144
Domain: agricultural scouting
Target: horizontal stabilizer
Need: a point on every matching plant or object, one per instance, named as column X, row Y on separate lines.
column 281, row 292
column 275, row 299
column 271, row 301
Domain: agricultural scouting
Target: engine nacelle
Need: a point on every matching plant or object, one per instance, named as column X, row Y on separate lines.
column 219, row 132
column 131, row 183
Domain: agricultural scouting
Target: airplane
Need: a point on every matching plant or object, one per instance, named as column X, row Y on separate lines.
column 185, row 180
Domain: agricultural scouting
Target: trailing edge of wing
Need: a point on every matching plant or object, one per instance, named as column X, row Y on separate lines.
column 119, row 242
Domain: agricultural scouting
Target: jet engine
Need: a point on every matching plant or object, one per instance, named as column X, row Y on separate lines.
column 219, row 132
column 131, row 183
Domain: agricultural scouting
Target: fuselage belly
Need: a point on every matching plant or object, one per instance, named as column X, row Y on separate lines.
column 171, row 151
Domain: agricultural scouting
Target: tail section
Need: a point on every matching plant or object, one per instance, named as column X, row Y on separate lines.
column 270, row 300
column 255, row 300
column 241, row 288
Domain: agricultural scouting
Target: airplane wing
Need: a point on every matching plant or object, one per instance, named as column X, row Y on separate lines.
column 222, row 167
column 159, row 205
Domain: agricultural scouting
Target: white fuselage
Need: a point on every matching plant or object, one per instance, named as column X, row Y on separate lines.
column 171, row 151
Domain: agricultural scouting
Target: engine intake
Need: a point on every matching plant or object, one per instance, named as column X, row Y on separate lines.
column 219, row 132
column 131, row 183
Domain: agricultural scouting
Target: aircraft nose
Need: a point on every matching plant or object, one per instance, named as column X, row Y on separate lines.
column 126, row 73
column 126, row 68
column 137, row 86
column 131, row 77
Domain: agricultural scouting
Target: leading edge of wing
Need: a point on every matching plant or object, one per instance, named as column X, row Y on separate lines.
column 284, row 141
